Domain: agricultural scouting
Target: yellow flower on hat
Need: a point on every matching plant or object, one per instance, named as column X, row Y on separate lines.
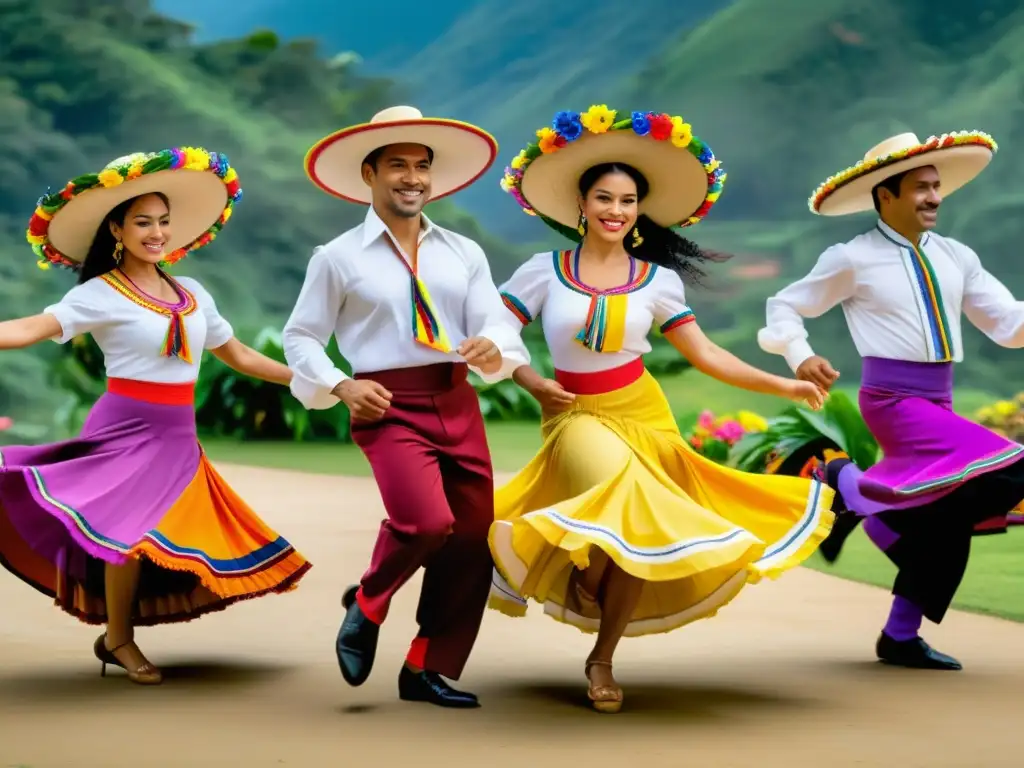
column 110, row 178
column 196, row 159
column 682, row 133
column 507, row 182
column 519, row 160
column 134, row 172
column 598, row 119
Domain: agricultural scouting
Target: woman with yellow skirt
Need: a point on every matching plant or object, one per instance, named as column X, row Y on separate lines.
column 617, row 525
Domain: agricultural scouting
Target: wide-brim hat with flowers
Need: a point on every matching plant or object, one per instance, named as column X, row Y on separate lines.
column 684, row 176
column 958, row 157
column 462, row 152
column 201, row 186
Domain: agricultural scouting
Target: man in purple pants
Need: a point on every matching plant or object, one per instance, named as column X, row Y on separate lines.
column 903, row 289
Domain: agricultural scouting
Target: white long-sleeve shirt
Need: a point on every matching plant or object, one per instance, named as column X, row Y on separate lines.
column 357, row 289
column 900, row 302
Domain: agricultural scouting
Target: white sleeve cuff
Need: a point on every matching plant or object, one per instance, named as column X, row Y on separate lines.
column 514, row 354
column 797, row 352
column 316, row 396
column 66, row 320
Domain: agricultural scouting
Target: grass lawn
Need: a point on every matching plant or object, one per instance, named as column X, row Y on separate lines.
column 512, row 445
column 994, row 583
column 995, row 579
column 692, row 392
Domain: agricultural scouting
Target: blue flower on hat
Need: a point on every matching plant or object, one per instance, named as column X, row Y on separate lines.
column 641, row 125
column 568, row 125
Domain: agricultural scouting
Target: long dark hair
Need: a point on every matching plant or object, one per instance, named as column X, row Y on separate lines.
column 100, row 258
column 661, row 245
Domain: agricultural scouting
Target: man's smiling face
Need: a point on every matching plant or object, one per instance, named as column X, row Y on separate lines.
column 399, row 177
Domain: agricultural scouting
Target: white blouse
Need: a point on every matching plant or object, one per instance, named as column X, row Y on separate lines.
column 131, row 334
column 588, row 330
column 358, row 289
column 900, row 302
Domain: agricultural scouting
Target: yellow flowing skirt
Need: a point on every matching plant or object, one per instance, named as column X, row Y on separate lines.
column 615, row 473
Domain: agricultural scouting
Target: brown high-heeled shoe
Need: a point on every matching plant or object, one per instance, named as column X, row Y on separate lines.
column 604, row 698
column 147, row 674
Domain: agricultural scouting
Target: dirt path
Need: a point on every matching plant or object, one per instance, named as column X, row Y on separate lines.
column 783, row 677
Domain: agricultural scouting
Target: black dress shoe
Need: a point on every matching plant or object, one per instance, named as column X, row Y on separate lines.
column 916, row 654
column 433, row 689
column 356, row 645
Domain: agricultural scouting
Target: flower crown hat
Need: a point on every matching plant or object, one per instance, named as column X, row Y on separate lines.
column 959, row 157
column 462, row 152
column 684, row 176
column 201, row 186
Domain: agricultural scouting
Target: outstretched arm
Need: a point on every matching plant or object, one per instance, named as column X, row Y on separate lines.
column 248, row 361
column 26, row 331
column 707, row 357
column 989, row 305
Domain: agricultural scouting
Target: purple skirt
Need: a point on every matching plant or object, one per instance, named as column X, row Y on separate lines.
column 136, row 485
column 928, row 450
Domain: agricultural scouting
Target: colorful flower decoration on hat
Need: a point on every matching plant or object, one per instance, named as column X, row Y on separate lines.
column 946, row 140
column 567, row 127
column 119, row 171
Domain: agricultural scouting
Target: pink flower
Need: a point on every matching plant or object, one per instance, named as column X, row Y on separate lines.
column 6, row 422
column 706, row 420
column 730, row 431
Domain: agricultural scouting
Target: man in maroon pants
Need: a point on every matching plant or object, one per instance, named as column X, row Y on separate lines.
column 413, row 308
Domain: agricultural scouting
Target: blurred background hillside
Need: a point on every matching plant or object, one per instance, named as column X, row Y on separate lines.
column 785, row 91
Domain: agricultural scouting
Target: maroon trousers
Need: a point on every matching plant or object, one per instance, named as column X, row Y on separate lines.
column 431, row 461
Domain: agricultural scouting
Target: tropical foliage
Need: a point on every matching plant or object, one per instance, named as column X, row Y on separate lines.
column 715, row 438
column 789, row 443
column 1005, row 417
column 838, row 426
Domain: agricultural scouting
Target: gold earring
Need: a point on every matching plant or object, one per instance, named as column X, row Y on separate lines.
column 582, row 227
column 637, row 240
column 118, row 252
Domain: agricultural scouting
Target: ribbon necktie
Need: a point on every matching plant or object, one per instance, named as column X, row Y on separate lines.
column 176, row 342
column 426, row 328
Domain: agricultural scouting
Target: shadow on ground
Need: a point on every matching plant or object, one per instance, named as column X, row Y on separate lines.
column 40, row 686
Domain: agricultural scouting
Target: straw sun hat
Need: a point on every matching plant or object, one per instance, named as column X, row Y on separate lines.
column 201, row 186
column 958, row 157
column 462, row 152
column 684, row 176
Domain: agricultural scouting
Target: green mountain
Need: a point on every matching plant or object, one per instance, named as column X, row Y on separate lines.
column 84, row 82
column 506, row 66
column 789, row 92
column 786, row 93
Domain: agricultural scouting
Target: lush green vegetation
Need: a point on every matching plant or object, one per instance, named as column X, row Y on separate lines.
column 84, row 81
column 792, row 91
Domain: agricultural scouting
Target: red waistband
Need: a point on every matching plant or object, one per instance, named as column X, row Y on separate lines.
column 153, row 392
column 600, row 382
column 430, row 379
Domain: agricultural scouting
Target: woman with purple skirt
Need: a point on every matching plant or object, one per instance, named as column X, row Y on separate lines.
column 903, row 289
column 129, row 524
